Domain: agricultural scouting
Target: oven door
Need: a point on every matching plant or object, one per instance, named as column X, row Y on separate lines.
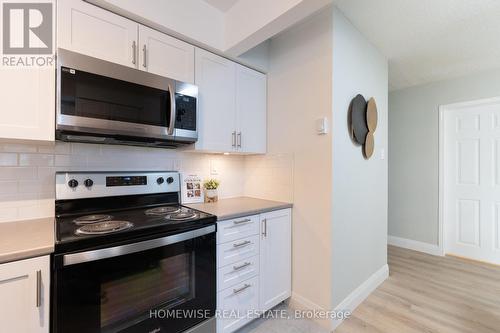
column 96, row 97
column 164, row 284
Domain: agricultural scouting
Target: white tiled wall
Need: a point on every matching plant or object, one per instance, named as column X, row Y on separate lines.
column 27, row 171
column 269, row 177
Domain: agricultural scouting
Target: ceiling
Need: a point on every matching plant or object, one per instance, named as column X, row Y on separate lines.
column 429, row 40
column 222, row 5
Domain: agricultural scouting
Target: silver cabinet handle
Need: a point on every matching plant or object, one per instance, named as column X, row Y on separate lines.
column 237, row 268
column 233, row 139
column 144, row 52
column 264, row 227
column 239, row 140
column 242, row 244
column 239, row 290
column 38, row 288
column 173, row 109
column 242, row 221
column 134, row 52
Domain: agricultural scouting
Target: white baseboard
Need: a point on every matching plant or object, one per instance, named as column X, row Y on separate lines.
column 352, row 301
column 299, row 302
column 415, row 245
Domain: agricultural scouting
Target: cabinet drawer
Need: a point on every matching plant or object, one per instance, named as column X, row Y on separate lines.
column 242, row 299
column 237, row 250
column 230, row 275
column 230, row 230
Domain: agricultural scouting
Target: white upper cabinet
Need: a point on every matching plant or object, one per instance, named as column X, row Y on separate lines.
column 251, row 92
column 166, row 56
column 24, row 291
column 275, row 258
column 27, row 100
column 215, row 77
column 88, row 29
column 232, row 106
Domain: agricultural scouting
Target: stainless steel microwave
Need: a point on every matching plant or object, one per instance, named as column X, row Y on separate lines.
column 103, row 102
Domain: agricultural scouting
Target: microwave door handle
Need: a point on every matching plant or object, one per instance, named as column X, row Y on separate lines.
column 173, row 110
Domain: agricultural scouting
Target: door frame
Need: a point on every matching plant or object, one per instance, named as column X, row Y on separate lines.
column 442, row 109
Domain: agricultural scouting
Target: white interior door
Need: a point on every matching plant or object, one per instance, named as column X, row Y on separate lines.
column 472, row 181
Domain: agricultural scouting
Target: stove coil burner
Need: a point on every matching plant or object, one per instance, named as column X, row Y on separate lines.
column 103, row 227
column 87, row 219
column 182, row 216
column 161, row 211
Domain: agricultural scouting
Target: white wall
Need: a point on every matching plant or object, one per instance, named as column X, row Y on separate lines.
column 299, row 92
column 250, row 22
column 27, row 171
column 191, row 20
column 414, row 150
column 359, row 201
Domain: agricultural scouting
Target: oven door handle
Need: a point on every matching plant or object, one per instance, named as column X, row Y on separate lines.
column 116, row 251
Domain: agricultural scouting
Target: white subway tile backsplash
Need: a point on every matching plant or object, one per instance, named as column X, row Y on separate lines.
column 8, row 159
column 85, row 149
column 15, row 173
column 27, row 171
column 8, row 187
column 55, row 148
column 70, row 160
column 36, row 160
column 18, row 148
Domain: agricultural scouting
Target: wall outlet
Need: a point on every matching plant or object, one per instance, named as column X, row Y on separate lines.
column 382, row 154
column 214, row 167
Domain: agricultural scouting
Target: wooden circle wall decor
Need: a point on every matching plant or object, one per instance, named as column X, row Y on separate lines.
column 363, row 118
column 358, row 119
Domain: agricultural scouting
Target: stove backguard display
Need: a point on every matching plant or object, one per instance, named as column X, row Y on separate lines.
column 126, row 181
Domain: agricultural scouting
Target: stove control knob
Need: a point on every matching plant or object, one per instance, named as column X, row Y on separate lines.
column 170, row 180
column 89, row 182
column 160, row 180
column 73, row 183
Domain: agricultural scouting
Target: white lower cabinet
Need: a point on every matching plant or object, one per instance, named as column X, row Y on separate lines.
column 275, row 258
column 253, row 267
column 237, row 304
column 24, row 295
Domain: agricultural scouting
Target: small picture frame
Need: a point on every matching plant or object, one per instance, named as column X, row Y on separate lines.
column 191, row 188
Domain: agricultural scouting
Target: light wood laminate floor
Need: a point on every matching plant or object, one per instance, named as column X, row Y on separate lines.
column 431, row 294
column 424, row 294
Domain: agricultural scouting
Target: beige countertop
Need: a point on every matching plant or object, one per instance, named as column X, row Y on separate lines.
column 26, row 239
column 226, row 209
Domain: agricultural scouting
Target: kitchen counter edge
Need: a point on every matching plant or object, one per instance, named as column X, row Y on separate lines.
column 26, row 239
column 231, row 208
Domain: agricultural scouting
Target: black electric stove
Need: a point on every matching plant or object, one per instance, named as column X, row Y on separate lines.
column 126, row 250
column 94, row 222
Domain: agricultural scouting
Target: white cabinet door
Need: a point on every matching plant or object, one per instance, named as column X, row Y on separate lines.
column 215, row 77
column 24, row 295
column 27, row 101
column 88, row 29
column 275, row 258
column 251, row 106
column 166, row 56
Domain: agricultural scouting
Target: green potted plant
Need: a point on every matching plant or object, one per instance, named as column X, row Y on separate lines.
column 211, row 186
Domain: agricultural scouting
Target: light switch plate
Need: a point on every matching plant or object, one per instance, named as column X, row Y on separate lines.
column 322, row 126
